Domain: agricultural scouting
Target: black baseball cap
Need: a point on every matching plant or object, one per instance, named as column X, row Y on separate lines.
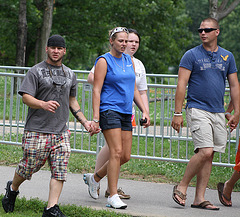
column 56, row 41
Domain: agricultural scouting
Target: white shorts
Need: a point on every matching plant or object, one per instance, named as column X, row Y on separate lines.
column 208, row 129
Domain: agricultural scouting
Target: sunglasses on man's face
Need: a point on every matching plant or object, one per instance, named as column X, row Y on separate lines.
column 206, row 30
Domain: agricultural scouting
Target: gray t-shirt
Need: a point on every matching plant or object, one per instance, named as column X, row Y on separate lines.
column 47, row 82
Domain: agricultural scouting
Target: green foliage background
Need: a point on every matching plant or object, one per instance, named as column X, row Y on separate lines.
column 85, row 25
column 167, row 28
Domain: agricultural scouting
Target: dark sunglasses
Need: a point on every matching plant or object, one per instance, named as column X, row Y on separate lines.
column 206, row 30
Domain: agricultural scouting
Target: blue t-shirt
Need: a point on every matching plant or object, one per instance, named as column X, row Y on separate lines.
column 118, row 87
column 206, row 85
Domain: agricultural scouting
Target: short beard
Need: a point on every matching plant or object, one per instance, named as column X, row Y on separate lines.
column 55, row 61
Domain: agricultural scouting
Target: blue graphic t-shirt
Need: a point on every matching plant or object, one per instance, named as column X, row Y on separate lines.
column 206, row 86
column 118, row 87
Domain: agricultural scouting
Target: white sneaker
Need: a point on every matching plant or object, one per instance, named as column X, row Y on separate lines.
column 92, row 187
column 115, row 202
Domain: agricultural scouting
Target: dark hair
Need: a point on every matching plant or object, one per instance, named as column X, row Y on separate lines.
column 135, row 32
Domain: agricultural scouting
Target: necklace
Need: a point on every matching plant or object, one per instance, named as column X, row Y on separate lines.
column 50, row 70
column 215, row 50
column 118, row 65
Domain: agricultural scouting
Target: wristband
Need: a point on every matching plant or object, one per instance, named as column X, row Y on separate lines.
column 95, row 120
column 180, row 114
column 227, row 113
column 177, row 113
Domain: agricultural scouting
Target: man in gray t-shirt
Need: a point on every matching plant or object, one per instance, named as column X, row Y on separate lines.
column 49, row 90
column 49, row 83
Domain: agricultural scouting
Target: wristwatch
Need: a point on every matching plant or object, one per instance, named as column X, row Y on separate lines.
column 95, row 120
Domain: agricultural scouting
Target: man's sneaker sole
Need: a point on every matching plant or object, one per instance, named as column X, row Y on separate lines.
column 122, row 207
column 115, row 202
column 53, row 211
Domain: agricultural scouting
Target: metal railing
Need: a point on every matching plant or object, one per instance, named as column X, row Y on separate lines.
column 82, row 74
column 158, row 142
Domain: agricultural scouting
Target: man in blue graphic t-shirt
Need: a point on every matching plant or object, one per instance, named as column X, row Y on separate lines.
column 204, row 69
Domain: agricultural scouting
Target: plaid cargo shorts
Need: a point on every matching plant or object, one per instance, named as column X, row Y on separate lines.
column 40, row 147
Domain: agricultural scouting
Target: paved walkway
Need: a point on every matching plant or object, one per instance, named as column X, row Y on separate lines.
column 148, row 199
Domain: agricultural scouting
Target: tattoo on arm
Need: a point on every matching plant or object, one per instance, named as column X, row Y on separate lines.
column 75, row 114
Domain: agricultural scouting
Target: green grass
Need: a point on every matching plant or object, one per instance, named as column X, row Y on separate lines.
column 135, row 169
column 34, row 208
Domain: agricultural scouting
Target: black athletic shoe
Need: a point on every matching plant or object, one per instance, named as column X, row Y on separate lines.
column 9, row 199
column 53, row 211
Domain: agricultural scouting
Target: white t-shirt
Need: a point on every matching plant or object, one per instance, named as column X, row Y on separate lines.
column 140, row 73
column 141, row 80
column 92, row 69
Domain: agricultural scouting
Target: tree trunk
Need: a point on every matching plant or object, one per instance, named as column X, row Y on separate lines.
column 213, row 6
column 222, row 11
column 21, row 33
column 46, row 27
column 37, row 52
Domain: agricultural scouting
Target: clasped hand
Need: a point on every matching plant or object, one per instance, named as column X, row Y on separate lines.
column 232, row 121
column 91, row 128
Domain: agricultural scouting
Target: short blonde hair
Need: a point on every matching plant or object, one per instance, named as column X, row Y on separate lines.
column 213, row 20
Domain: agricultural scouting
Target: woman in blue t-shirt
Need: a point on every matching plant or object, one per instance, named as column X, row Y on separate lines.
column 114, row 90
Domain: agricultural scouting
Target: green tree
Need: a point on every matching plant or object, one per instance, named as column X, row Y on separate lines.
column 8, row 31
column 197, row 14
column 229, row 26
column 230, row 31
column 9, row 11
column 22, row 33
column 85, row 24
column 167, row 27
column 162, row 25
column 221, row 10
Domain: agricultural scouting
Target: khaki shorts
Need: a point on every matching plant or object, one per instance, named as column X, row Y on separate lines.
column 41, row 147
column 208, row 129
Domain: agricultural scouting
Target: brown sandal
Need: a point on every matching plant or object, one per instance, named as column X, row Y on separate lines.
column 220, row 187
column 179, row 194
column 204, row 205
